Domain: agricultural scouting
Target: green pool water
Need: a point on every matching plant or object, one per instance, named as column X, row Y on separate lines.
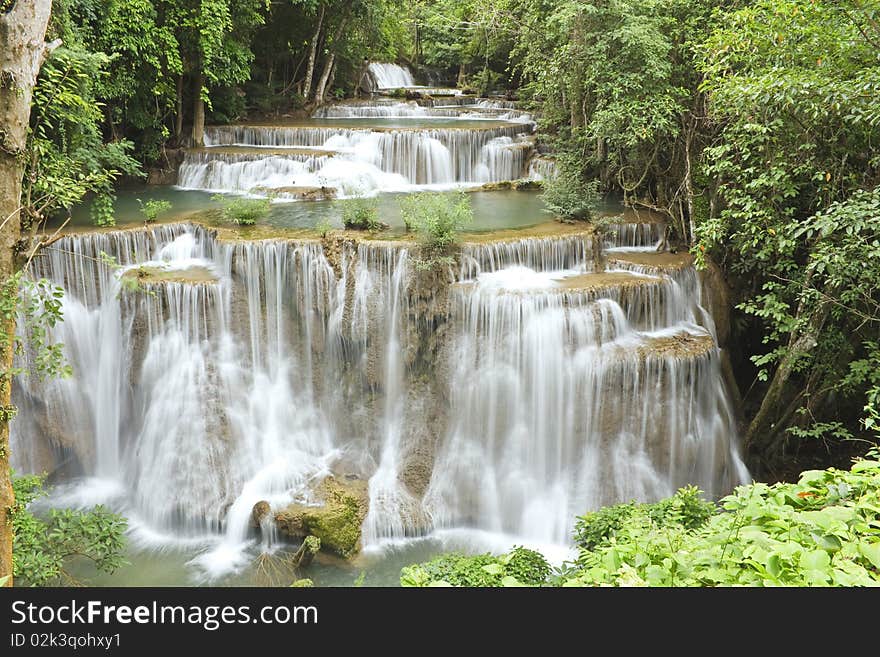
column 493, row 210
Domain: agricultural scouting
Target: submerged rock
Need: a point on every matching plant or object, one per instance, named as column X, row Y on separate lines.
column 335, row 520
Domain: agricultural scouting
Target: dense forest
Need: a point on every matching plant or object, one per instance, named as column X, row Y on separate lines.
column 751, row 126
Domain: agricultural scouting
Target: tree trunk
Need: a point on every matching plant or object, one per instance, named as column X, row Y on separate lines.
column 461, row 80
column 689, row 188
column 178, row 119
column 331, row 61
column 325, row 76
column 22, row 52
column 576, row 91
column 762, row 436
column 198, row 127
column 313, row 53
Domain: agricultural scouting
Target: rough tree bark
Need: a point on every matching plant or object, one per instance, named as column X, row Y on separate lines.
column 331, row 60
column 22, row 52
column 198, row 127
column 765, row 436
column 313, row 53
column 178, row 118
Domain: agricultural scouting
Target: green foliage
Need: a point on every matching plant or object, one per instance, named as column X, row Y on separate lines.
column 436, row 218
column 465, row 36
column 153, row 208
column 43, row 546
column 821, row 531
column 818, row 532
column 793, row 86
column 324, row 227
column 36, row 307
column 568, row 194
column 361, row 214
column 520, row 567
column 686, row 509
column 67, row 155
column 243, row 211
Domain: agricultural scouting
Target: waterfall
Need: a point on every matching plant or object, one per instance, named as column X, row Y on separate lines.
column 541, row 168
column 547, row 380
column 245, row 159
column 391, row 76
column 386, row 109
column 627, row 236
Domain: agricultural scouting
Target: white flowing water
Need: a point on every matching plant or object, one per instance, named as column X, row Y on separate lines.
column 358, row 161
column 487, row 140
column 542, row 387
column 391, row 76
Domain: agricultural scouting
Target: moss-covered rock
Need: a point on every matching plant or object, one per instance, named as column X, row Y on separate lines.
column 335, row 519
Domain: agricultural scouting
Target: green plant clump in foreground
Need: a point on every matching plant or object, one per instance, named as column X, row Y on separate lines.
column 243, row 211
column 42, row 546
column 520, row 567
column 822, row 531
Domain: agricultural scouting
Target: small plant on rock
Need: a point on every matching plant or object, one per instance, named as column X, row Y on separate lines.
column 153, row 208
column 243, row 211
column 436, row 218
column 361, row 214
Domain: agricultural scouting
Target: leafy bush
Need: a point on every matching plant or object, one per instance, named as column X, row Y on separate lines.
column 153, row 208
column 520, row 567
column 361, row 214
column 436, row 218
column 527, row 566
column 685, row 509
column 101, row 209
column 243, row 211
column 569, row 195
column 821, row 531
column 42, row 546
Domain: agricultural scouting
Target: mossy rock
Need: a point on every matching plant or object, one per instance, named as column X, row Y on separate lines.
column 336, row 521
column 302, row 583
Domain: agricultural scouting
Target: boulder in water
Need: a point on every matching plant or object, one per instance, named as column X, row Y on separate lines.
column 261, row 510
column 335, row 520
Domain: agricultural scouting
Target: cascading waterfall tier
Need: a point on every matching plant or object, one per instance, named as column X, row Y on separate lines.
column 385, row 146
column 549, row 378
column 251, row 159
column 391, row 76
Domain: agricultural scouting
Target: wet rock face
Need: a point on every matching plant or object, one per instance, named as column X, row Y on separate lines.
column 716, row 297
column 261, row 510
column 335, row 516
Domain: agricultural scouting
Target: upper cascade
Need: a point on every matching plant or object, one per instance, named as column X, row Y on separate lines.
column 362, row 148
column 391, row 76
column 357, row 161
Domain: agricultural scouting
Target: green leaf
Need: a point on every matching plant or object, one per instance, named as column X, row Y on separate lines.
column 494, row 568
column 511, row 582
column 871, row 552
column 828, row 542
column 815, row 560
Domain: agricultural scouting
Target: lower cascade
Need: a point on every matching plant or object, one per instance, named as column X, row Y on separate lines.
column 544, row 377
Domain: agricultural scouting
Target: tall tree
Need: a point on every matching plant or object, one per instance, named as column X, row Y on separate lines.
column 23, row 50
